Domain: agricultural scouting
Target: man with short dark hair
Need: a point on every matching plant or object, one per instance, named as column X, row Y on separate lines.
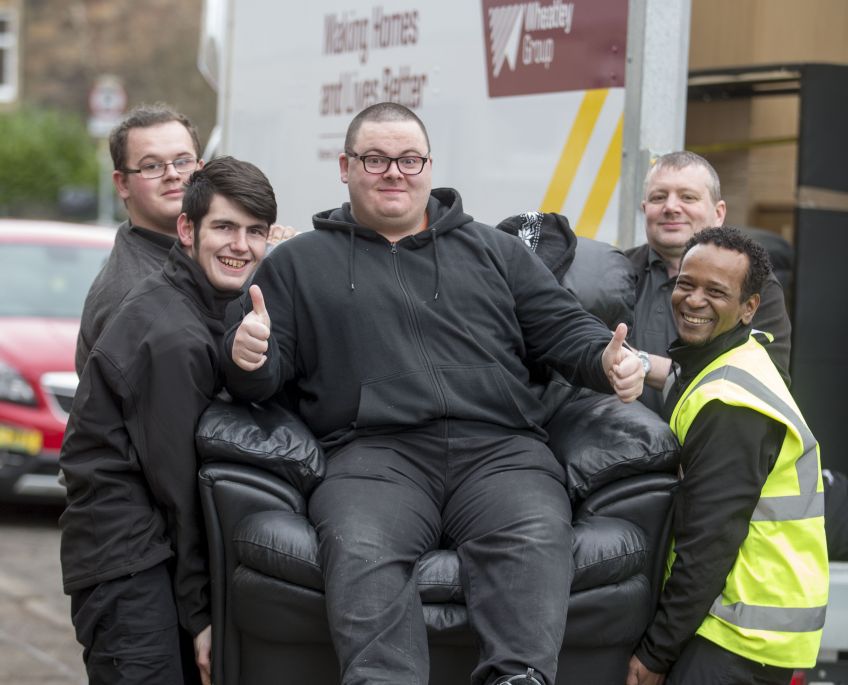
column 133, row 549
column 154, row 149
column 746, row 588
column 408, row 328
column 682, row 195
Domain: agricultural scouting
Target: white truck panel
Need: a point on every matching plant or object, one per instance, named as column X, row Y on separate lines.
column 295, row 75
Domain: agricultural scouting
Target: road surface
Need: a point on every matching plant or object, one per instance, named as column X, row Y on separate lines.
column 37, row 644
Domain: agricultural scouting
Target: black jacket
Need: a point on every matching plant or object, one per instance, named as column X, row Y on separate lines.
column 137, row 253
column 727, row 456
column 128, row 454
column 442, row 324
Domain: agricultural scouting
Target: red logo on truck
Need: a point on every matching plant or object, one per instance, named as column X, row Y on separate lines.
column 550, row 46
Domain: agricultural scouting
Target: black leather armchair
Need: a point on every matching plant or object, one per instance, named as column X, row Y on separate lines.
column 269, row 620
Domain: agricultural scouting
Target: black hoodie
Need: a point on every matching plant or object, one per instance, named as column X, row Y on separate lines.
column 382, row 336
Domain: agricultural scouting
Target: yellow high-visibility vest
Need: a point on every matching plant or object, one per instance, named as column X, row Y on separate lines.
column 772, row 607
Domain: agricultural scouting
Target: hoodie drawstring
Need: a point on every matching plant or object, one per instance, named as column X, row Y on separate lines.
column 436, row 263
column 351, row 257
column 350, row 261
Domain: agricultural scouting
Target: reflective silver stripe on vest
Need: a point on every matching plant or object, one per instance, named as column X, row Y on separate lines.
column 789, row 508
column 808, row 504
column 779, row 619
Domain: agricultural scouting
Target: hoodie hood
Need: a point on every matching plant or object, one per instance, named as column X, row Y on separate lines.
column 444, row 213
column 547, row 234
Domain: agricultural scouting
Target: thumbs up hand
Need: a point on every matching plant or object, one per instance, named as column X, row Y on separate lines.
column 251, row 340
column 623, row 368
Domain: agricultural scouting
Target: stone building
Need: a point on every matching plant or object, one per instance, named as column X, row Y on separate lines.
column 53, row 51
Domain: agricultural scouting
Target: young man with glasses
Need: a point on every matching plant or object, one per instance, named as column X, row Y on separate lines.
column 154, row 149
column 407, row 328
column 133, row 549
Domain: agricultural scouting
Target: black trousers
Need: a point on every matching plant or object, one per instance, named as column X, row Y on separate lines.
column 705, row 663
column 129, row 632
column 498, row 500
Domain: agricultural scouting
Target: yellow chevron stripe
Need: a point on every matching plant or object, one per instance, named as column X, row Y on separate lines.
column 608, row 174
column 572, row 151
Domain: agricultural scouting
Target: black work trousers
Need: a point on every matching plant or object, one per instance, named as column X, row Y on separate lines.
column 703, row 662
column 498, row 500
column 129, row 631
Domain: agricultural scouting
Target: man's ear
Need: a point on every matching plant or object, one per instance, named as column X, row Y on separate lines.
column 749, row 308
column 185, row 230
column 119, row 179
column 721, row 212
column 344, row 166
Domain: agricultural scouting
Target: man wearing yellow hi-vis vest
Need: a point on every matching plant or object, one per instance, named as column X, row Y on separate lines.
column 746, row 587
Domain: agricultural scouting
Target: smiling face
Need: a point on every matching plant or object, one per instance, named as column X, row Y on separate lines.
column 677, row 205
column 228, row 245
column 155, row 203
column 707, row 297
column 390, row 203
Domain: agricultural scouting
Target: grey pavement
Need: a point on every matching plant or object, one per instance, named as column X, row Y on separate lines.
column 37, row 642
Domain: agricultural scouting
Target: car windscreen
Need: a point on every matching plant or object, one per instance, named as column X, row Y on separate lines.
column 49, row 280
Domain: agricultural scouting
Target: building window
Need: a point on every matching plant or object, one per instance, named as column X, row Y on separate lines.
column 8, row 55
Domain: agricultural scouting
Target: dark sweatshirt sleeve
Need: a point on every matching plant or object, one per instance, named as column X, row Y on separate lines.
column 726, row 458
column 771, row 317
column 163, row 414
column 557, row 330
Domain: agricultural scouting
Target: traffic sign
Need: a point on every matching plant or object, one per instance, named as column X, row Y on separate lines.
column 107, row 101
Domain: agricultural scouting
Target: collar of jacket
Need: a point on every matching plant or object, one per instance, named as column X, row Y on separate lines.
column 186, row 276
column 444, row 210
column 693, row 358
column 160, row 240
column 690, row 360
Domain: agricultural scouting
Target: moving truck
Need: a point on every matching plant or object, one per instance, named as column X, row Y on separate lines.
column 523, row 101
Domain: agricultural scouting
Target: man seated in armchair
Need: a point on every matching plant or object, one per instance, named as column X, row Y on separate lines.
column 407, row 328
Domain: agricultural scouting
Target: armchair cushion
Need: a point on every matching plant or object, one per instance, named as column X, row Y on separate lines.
column 606, row 551
column 267, row 436
column 283, row 545
column 280, row 544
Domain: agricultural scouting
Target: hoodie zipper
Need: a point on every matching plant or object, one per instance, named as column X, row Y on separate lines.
column 416, row 327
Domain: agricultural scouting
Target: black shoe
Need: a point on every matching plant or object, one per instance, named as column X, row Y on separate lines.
column 522, row 679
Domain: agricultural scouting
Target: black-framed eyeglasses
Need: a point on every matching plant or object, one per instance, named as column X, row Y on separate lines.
column 408, row 165
column 182, row 165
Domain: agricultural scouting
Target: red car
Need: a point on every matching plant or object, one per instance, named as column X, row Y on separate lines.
column 46, row 269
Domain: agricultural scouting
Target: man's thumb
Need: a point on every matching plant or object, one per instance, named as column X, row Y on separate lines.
column 618, row 336
column 258, row 301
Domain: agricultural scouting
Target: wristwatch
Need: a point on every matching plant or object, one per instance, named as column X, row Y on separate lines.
column 645, row 358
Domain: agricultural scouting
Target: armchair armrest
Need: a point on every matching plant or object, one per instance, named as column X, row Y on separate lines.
column 229, row 493
column 645, row 500
column 267, row 436
column 600, row 440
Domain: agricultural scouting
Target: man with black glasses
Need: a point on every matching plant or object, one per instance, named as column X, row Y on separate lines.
column 407, row 328
column 154, row 149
